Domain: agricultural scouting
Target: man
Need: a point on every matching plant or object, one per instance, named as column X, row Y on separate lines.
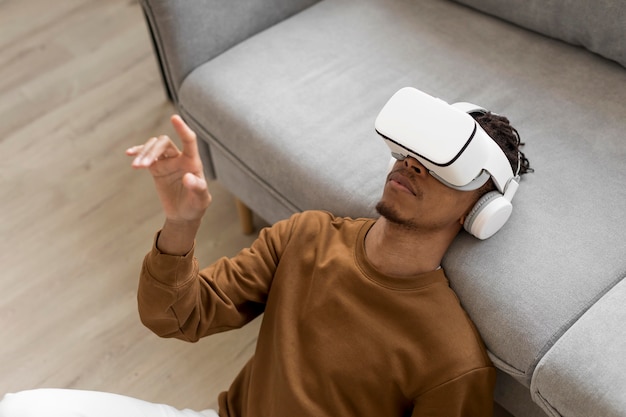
column 359, row 319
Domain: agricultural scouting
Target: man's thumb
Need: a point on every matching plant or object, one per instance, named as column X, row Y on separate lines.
column 194, row 183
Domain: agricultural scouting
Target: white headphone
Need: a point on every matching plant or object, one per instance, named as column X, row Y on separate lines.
column 493, row 209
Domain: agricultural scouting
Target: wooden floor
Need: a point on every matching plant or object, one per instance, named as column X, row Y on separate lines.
column 78, row 85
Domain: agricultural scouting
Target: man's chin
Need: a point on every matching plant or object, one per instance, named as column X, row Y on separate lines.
column 392, row 216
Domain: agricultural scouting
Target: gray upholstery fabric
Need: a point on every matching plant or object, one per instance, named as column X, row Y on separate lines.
column 598, row 25
column 190, row 32
column 584, row 373
column 306, row 92
column 273, row 118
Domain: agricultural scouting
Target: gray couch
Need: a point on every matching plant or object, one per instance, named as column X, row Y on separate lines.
column 284, row 93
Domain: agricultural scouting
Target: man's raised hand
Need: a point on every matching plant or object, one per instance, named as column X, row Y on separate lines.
column 178, row 176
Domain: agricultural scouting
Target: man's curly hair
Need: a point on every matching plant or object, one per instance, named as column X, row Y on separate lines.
column 507, row 137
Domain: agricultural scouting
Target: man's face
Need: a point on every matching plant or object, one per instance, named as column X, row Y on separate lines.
column 414, row 199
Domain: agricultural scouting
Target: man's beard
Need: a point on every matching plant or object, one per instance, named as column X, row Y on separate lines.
column 394, row 217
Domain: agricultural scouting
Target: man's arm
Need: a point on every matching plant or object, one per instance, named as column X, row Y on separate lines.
column 182, row 189
column 176, row 299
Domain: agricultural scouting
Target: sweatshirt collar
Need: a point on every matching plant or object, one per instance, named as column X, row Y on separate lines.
column 415, row 282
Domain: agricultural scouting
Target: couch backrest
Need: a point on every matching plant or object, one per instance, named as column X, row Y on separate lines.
column 598, row 25
column 189, row 33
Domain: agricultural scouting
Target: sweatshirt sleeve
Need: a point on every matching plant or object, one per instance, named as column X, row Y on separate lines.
column 469, row 395
column 177, row 299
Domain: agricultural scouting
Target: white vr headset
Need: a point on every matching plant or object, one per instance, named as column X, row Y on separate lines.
column 454, row 149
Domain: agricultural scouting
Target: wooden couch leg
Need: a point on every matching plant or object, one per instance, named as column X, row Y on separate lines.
column 245, row 217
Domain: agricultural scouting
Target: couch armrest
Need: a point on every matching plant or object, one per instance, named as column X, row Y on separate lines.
column 187, row 33
column 584, row 374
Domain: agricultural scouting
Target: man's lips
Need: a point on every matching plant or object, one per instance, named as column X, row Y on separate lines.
column 402, row 181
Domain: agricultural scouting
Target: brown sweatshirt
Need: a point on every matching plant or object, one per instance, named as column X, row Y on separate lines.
column 338, row 338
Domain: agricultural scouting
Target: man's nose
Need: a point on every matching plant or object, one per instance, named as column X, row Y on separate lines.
column 414, row 165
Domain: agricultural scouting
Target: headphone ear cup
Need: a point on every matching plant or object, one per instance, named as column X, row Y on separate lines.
column 488, row 215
